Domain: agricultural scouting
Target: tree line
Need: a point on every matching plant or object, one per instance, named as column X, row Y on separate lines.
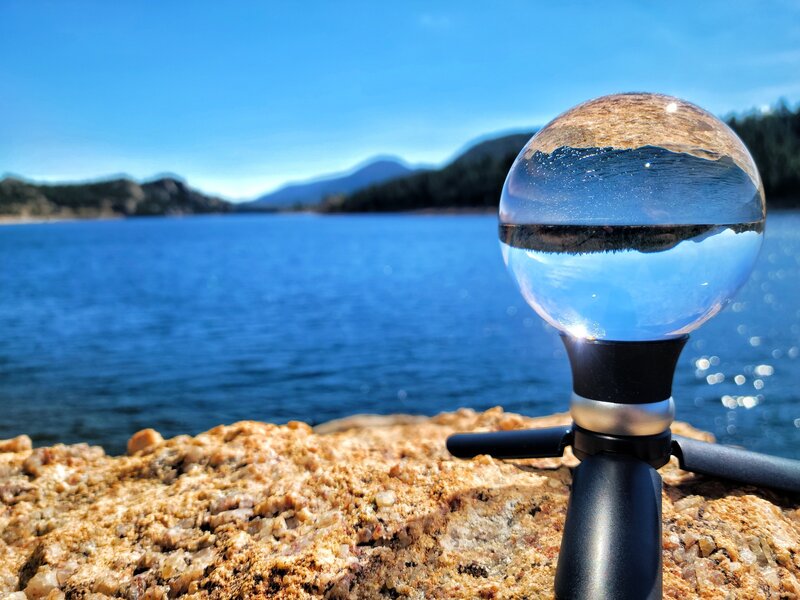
column 474, row 180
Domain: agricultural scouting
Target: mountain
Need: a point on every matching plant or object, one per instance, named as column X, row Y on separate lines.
column 313, row 192
column 110, row 198
column 472, row 180
column 492, row 148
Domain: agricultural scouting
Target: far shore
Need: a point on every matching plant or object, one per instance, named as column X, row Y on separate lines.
column 27, row 220
column 5, row 220
column 451, row 211
column 14, row 220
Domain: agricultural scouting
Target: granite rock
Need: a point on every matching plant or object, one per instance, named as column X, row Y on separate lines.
column 254, row 510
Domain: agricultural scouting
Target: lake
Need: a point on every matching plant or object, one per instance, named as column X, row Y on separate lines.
column 180, row 324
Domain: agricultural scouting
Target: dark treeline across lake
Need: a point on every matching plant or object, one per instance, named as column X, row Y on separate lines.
column 475, row 178
column 107, row 327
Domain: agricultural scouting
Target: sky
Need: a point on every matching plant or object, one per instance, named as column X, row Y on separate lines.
column 240, row 97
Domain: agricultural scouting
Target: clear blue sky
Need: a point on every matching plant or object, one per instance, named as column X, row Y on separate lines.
column 239, row 97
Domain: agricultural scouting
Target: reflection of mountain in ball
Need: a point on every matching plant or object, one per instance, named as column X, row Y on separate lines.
column 631, row 217
column 627, row 121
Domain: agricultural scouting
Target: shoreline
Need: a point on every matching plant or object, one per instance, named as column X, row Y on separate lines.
column 9, row 220
column 12, row 220
column 32, row 220
column 425, row 212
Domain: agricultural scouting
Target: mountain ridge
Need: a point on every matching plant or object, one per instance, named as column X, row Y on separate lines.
column 468, row 181
column 474, row 179
column 313, row 191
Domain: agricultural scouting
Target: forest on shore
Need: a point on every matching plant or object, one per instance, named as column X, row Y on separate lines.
column 474, row 179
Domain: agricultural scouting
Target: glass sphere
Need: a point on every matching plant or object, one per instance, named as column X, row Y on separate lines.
column 631, row 217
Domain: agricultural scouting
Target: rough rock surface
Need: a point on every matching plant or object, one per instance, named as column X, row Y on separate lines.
column 254, row 510
column 637, row 120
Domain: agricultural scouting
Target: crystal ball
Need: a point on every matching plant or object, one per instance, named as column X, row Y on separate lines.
column 631, row 217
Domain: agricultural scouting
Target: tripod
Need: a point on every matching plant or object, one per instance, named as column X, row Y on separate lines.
column 622, row 408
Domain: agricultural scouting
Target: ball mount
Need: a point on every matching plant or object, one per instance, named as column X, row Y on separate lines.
column 621, row 408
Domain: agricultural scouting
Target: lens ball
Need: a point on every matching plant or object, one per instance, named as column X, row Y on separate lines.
column 631, row 217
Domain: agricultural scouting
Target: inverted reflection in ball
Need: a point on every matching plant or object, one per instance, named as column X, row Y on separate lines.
column 631, row 217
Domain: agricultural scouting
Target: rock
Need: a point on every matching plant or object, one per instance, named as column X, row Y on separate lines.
column 108, row 198
column 254, row 510
column 146, row 439
column 21, row 443
column 41, row 584
column 364, row 421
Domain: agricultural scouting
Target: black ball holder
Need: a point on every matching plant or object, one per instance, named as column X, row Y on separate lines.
column 611, row 545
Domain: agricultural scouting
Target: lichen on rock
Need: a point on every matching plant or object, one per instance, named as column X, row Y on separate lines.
column 253, row 510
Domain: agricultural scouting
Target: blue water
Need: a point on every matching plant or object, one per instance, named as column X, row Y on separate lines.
column 182, row 324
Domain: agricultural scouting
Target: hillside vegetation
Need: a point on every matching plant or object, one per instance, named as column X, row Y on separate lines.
column 774, row 141
column 112, row 198
column 470, row 181
column 475, row 179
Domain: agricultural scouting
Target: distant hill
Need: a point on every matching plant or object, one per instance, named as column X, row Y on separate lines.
column 468, row 181
column 492, row 148
column 110, row 198
column 311, row 193
column 474, row 179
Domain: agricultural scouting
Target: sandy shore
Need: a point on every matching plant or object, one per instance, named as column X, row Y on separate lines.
column 29, row 220
column 39, row 221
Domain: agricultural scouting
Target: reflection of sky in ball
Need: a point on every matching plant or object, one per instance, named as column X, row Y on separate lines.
column 634, row 295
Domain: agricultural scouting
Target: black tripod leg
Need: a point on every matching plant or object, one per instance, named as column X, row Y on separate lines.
column 517, row 443
column 736, row 464
column 611, row 547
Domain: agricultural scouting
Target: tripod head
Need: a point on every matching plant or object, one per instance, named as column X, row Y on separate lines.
column 621, row 403
column 623, row 388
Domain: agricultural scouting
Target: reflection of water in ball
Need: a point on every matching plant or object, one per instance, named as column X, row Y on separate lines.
column 631, row 217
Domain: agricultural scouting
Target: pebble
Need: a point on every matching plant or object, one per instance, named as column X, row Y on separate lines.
column 706, row 545
column 384, row 499
column 146, row 439
column 21, row 443
column 41, row 584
